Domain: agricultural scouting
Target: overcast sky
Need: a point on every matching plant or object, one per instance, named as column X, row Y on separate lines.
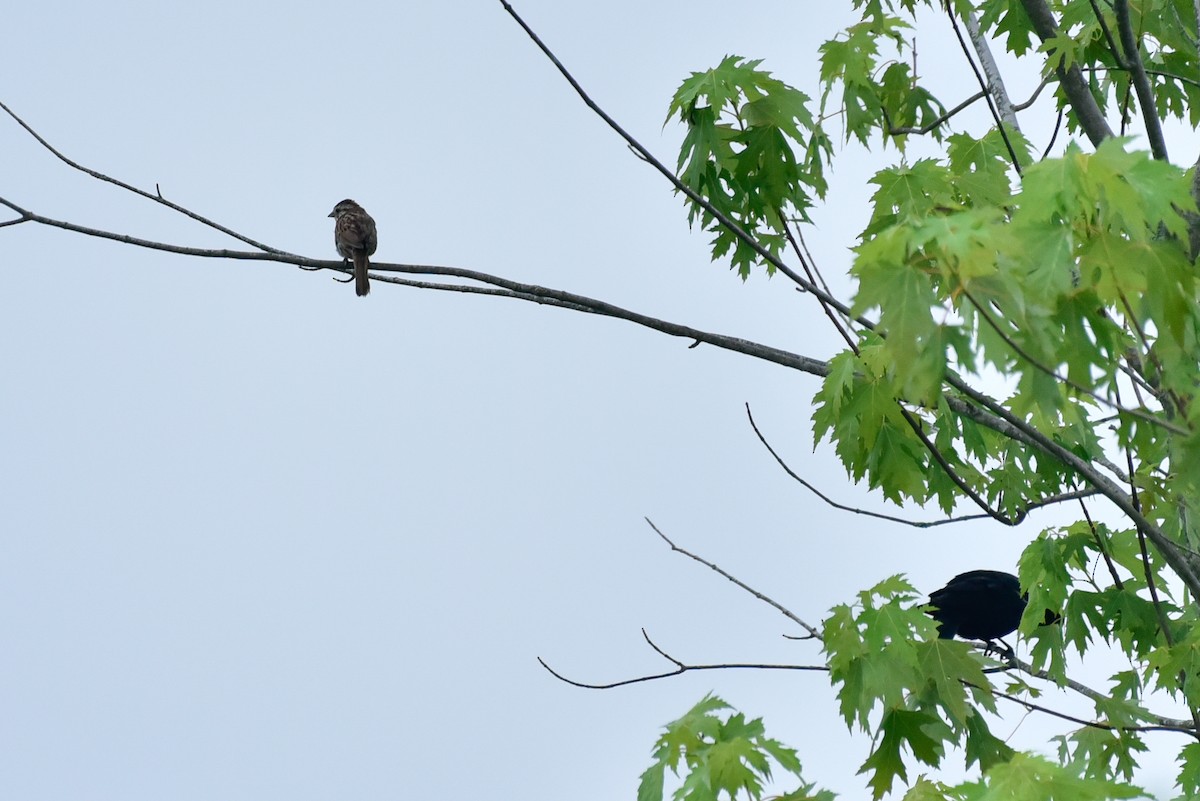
column 267, row 540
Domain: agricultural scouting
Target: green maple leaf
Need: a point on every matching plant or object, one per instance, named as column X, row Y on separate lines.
column 717, row 87
column 1143, row 191
column 908, row 193
column 982, row 746
column 650, row 785
column 724, row 757
column 1189, row 773
column 945, row 665
column 1052, row 188
column 1045, row 263
column 900, row 729
column 739, row 154
column 1036, row 778
column 1103, row 754
column 851, row 63
column 728, row 769
column 925, row 790
column 1009, row 21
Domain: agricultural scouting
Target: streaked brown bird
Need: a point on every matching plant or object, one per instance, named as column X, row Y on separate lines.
column 355, row 237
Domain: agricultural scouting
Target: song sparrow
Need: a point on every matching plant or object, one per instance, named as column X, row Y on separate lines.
column 355, row 238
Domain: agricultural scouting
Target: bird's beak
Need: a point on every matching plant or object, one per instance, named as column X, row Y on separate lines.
column 333, row 213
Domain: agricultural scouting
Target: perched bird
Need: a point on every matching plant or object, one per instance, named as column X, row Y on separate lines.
column 978, row 605
column 355, row 238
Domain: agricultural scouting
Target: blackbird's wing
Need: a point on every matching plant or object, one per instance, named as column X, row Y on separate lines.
column 978, row 604
column 984, row 581
column 944, row 611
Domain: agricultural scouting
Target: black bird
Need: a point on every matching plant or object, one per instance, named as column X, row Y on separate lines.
column 978, row 605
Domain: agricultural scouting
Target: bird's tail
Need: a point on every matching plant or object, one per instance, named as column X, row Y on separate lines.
column 361, row 285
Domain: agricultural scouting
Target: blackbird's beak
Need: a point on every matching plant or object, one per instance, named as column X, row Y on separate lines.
column 333, row 213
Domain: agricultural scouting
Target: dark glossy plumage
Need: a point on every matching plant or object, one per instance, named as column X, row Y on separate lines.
column 978, row 605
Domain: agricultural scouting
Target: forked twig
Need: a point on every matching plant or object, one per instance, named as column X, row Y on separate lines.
column 680, row 669
column 157, row 196
column 816, row 634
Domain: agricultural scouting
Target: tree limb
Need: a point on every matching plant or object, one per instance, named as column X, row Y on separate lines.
column 680, row 669
column 1075, row 87
column 157, row 197
column 995, row 82
column 813, row 631
column 1141, row 84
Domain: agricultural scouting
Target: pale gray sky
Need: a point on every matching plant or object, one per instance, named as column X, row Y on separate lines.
column 266, row 540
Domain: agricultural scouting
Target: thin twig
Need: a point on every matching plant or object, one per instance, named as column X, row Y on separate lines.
column 1157, row 724
column 680, row 669
column 834, row 319
column 1102, row 546
column 1033, row 98
column 1108, row 37
column 783, row 609
column 1066, row 496
column 914, row 424
column 1054, row 135
column 1175, row 724
column 156, row 197
column 1032, row 707
column 927, row 128
column 983, row 84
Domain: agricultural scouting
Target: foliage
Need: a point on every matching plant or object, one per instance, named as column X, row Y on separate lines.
column 1072, row 279
column 724, row 756
column 738, row 155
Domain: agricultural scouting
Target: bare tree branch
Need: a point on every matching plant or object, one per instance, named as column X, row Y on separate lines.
column 1174, row 724
column 157, row 197
column 680, row 669
column 816, row 634
column 1033, row 98
column 515, row 289
column 548, row 296
column 1092, row 724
